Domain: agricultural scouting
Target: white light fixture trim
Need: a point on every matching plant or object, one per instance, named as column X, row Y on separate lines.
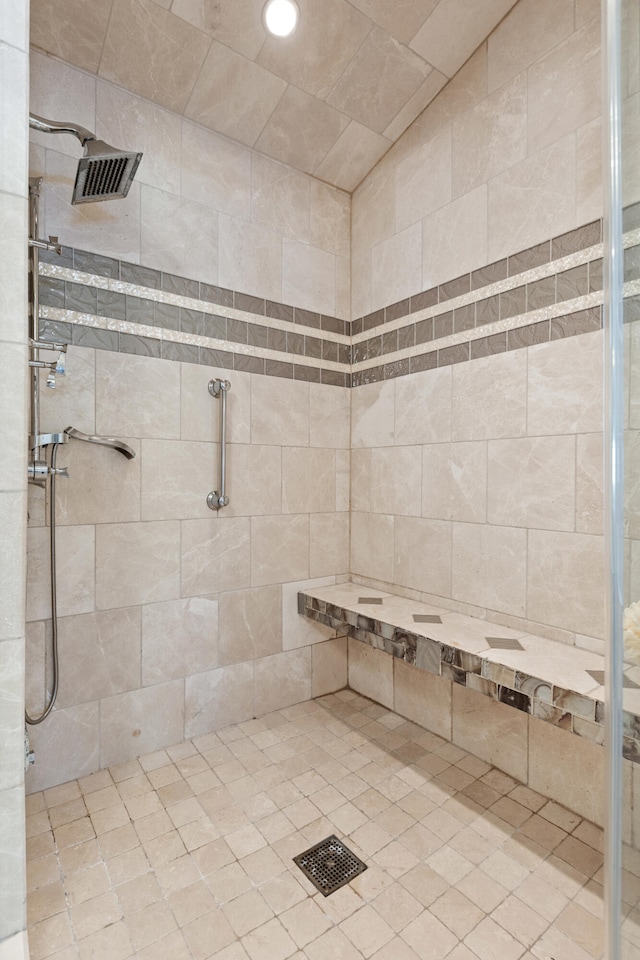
column 281, row 17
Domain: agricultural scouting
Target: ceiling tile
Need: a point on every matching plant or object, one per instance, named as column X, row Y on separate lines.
column 454, row 30
column 402, row 18
column 328, row 35
column 301, row 131
column 416, row 104
column 353, row 155
column 378, row 81
column 237, row 24
column 71, row 29
column 151, row 52
column 233, row 95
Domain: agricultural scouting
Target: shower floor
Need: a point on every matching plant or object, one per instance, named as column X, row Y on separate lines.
column 187, row 852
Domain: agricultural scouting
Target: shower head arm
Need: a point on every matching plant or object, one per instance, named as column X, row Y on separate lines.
column 59, row 126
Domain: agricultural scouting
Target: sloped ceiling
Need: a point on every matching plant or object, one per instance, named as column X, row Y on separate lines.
column 330, row 100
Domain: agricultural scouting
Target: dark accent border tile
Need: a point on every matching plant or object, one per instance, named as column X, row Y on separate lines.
column 528, row 336
column 56, row 331
column 576, row 240
column 492, row 273
column 375, row 319
column 181, row 286
column 279, row 311
column 218, row 295
column 309, row 374
column 248, row 364
column 399, row 309
column 334, row 378
column 489, row 346
column 216, row 358
column 306, row 318
column 142, row 276
column 454, row 288
column 96, row 338
column 421, row 301
column 584, row 321
column 183, row 352
column 398, row 368
column 244, row 301
column 111, row 304
column 95, row 263
column 143, row 346
column 427, row 361
column 458, row 353
column 529, row 258
column 62, row 259
column 277, row 368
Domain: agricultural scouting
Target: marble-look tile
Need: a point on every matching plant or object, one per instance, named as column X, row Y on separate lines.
column 66, row 746
column 397, row 267
column 422, row 555
column 12, row 654
column 489, row 567
column 328, row 544
column 528, row 32
column 395, row 469
column 301, row 130
column 589, row 178
column 564, row 386
column 567, row 769
column 343, row 481
column 416, row 105
column 423, row 698
column 13, row 385
column 75, row 568
column 329, row 667
column 70, row 31
column 250, row 624
column 494, row 731
column 249, row 250
column 215, row 555
column 330, row 218
column 448, row 49
column 36, row 639
column 282, row 680
column 586, row 10
column 254, row 480
column 298, row 631
column 164, row 249
column 137, row 563
column 15, row 29
column 454, row 481
column 423, row 407
column 139, row 722
column 490, row 137
column 533, row 200
column 218, row 698
column 236, row 26
column 353, row 155
column 454, row 238
column 280, row 198
column 308, row 277
column 371, row 673
column 372, row 415
column 200, row 412
column 532, row 482
column 359, row 92
column 272, row 405
column 176, row 477
column 403, row 21
column 179, row 638
column 215, row 172
column 423, row 180
column 137, row 396
column 361, row 281
column 371, row 540
column 72, row 403
column 251, row 95
column 373, row 211
column 13, row 269
column 140, row 40
column 572, row 97
column 565, row 581
column 489, row 397
column 279, row 549
column 94, row 473
column 329, row 423
column 12, row 882
column 101, row 655
column 53, row 82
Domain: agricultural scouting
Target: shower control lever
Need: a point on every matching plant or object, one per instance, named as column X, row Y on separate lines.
column 40, row 470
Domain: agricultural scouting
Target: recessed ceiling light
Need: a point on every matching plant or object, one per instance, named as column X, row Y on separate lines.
column 281, row 17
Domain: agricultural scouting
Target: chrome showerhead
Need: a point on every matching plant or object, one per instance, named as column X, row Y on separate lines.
column 104, row 173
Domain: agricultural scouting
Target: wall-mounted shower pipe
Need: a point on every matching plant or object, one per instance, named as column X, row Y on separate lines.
column 219, row 389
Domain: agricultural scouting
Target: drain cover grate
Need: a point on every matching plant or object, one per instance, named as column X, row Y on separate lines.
column 329, row 865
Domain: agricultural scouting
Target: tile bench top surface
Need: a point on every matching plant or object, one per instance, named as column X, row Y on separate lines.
column 555, row 682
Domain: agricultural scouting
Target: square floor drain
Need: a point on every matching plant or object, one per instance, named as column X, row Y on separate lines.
column 329, row 865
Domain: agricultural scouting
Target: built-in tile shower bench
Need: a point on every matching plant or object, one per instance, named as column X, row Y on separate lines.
column 531, row 706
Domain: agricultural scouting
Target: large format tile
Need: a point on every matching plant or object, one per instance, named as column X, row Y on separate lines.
column 567, row 769
column 142, row 721
column 200, row 412
column 250, row 624
column 397, row 267
column 395, row 469
column 176, row 477
column 564, row 386
column 217, row 698
column 448, row 49
column 66, row 746
column 137, row 563
column 454, row 481
column 490, row 398
column 179, row 638
column 423, row 698
column 254, row 479
column 301, row 130
column 566, row 581
column 163, row 249
column 76, row 571
column 422, row 555
column 250, row 258
column 137, row 396
column 308, row 277
column 528, row 32
column 495, row 732
column 272, row 405
column 215, row 555
column 372, row 415
column 328, row 544
column 70, row 31
column 282, row 680
column 371, row 673
column 372, row 546
column 279, row 549
column 423, row 180
column 454, row 238
column 489, row 567
column 215, row 172
column 94, row 473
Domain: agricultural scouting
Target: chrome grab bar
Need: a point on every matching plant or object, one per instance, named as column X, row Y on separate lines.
column 219, row 389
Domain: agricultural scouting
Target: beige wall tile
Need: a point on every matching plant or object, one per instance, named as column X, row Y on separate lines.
column 564, row 386
column 354, row 153
column 454, row 481
column 490, row 567
column 533, row 200
column 423, row 180
column 361, row 480
column 423, row 698
column 164, row 249
column 35, row 655
column 66, row 746
column 564, row 87
column 215, row 555
column 53, row 82
column 372, row 546
column 100, row 653
column 454, row 238
column 423, row 407
column 373, row 210
column 177, row 475
column 528, row 32
column 330, row 218
column 422, row 555
column 272, row 403
column 491, row 731
column 329, row 667
column 308, row 480
column 254, row 479
column 532, row 482
column 297, row 631
column 137, row 563
column 70, row 31
column 328, row 544
column 279, row 549
column 73, row 402
column 13, row 548
column 218, row 698
column 13, row 270
column 589, row 178
column 586, row 10
column 12, row 654
column 200, row 412
column 489, row 397
column 372, row 415
column 94, row 474
column 565, row 581
column 179, row 637
column 250, row 258
column 330, row 420
column 371, row 673
column 282, row 680
column 251, row 95
column 301, row 130
column 416, row 105
column 137, row 396
column 362, row 272
column 397, row 267
column 448, row 49
column 250, row 624
column 567, row 769
column 280, row 198
column 132, row 724
column 394, row 470
column 308, row 277
column 75, row 567
column 215, row 171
